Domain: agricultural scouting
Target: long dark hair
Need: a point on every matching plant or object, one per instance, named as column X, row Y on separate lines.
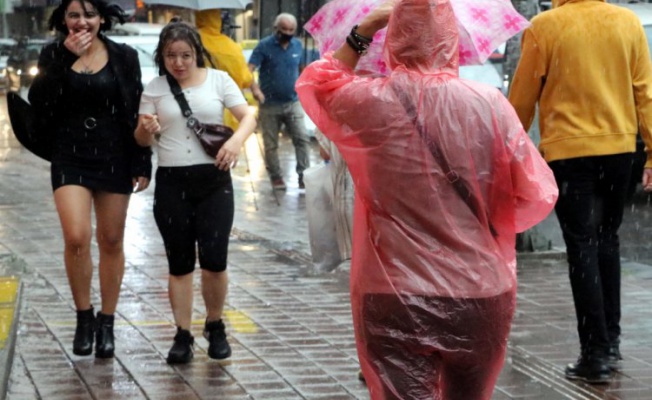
column 111, row 13
column 178, row 30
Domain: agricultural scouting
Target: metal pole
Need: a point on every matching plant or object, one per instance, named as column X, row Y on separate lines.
column 5, row 28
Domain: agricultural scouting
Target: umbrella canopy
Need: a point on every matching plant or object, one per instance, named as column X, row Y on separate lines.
column 482, row 26
column 25, row 126
column 201, row 4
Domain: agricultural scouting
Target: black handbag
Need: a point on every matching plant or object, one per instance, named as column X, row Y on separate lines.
column 27, row 127
column 211, row 136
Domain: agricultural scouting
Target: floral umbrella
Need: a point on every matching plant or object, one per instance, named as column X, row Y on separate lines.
column 483, row 26
column 201, row 4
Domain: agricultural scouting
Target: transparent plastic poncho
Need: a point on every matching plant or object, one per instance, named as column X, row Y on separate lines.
column 226, row 53
column 433, row 280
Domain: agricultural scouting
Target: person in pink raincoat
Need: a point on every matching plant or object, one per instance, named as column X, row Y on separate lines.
column 444, row 177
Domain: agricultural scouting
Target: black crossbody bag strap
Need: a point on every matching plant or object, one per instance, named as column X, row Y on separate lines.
column 192, row 122
column 179, row 96
column 458, row 182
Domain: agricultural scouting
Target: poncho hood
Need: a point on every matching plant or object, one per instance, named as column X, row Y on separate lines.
column 422, row 35
column 226, row 53
column 209, row 21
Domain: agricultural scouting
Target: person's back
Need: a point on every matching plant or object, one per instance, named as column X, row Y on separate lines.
column 587, row 64
column 398, row 177
column 589, row 55
column 445, row 176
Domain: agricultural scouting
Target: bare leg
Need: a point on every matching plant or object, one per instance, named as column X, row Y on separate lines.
column 111, row 213
column 74, row 207
column 180, row 292
column 214, row 286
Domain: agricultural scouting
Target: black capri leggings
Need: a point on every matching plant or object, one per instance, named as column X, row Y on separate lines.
column 194, row 205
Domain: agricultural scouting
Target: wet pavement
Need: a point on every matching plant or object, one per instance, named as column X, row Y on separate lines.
column 289, row 327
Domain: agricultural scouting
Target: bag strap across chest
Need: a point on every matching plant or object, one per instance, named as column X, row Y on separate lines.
column 192, row 122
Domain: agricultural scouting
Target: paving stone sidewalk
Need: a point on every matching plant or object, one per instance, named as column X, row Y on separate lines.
column 290, row 328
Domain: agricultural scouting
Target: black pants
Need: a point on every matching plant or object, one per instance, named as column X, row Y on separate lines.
column 592, row 193
column 193, row 206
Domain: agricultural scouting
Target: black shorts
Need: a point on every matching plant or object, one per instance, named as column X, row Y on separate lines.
column 193, row 207
column 424, row 347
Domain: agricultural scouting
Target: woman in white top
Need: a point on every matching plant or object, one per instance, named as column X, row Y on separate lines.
column 193, row 200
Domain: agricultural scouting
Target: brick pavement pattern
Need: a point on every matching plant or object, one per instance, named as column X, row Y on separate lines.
column 290, row 329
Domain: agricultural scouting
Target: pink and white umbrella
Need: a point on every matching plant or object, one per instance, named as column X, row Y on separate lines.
column 483, row 26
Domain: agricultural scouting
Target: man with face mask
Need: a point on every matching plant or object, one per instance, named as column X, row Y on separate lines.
column 279, row 56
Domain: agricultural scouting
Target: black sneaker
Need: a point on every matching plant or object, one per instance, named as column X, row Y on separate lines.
column 218, row 347
column 182, row 349
column 301, row 184
column 590, row 370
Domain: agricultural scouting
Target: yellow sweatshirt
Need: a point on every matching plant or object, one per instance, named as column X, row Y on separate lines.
column 587, row 64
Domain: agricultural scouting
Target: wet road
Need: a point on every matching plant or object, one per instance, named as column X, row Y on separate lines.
column 290, row 329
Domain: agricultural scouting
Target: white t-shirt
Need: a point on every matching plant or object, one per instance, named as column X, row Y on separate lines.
column 178, row 145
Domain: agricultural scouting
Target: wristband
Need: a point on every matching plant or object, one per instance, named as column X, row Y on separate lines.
column 360, row 44
column 358, row 37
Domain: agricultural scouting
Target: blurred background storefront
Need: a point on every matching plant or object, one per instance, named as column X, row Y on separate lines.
column 255, row 22
column 29, row 17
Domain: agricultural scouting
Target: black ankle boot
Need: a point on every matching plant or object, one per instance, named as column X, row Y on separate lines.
column 82, row 345
column 590, row 369
column 181, row 351
column 105, row 345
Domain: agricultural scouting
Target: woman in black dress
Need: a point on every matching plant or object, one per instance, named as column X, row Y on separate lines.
column 87, row 92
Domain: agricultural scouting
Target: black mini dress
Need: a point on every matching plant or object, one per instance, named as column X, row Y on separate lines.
column 90, row 150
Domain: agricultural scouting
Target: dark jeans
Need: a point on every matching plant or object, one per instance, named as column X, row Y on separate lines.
column 592, row 192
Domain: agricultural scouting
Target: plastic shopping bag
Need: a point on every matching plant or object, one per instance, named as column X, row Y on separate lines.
column 321, row 218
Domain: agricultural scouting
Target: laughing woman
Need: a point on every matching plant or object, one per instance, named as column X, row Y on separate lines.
column 87, row 93
column 193, row 201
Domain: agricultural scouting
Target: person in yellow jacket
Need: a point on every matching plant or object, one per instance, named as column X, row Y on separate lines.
column 226, row 53
column 587, row 65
